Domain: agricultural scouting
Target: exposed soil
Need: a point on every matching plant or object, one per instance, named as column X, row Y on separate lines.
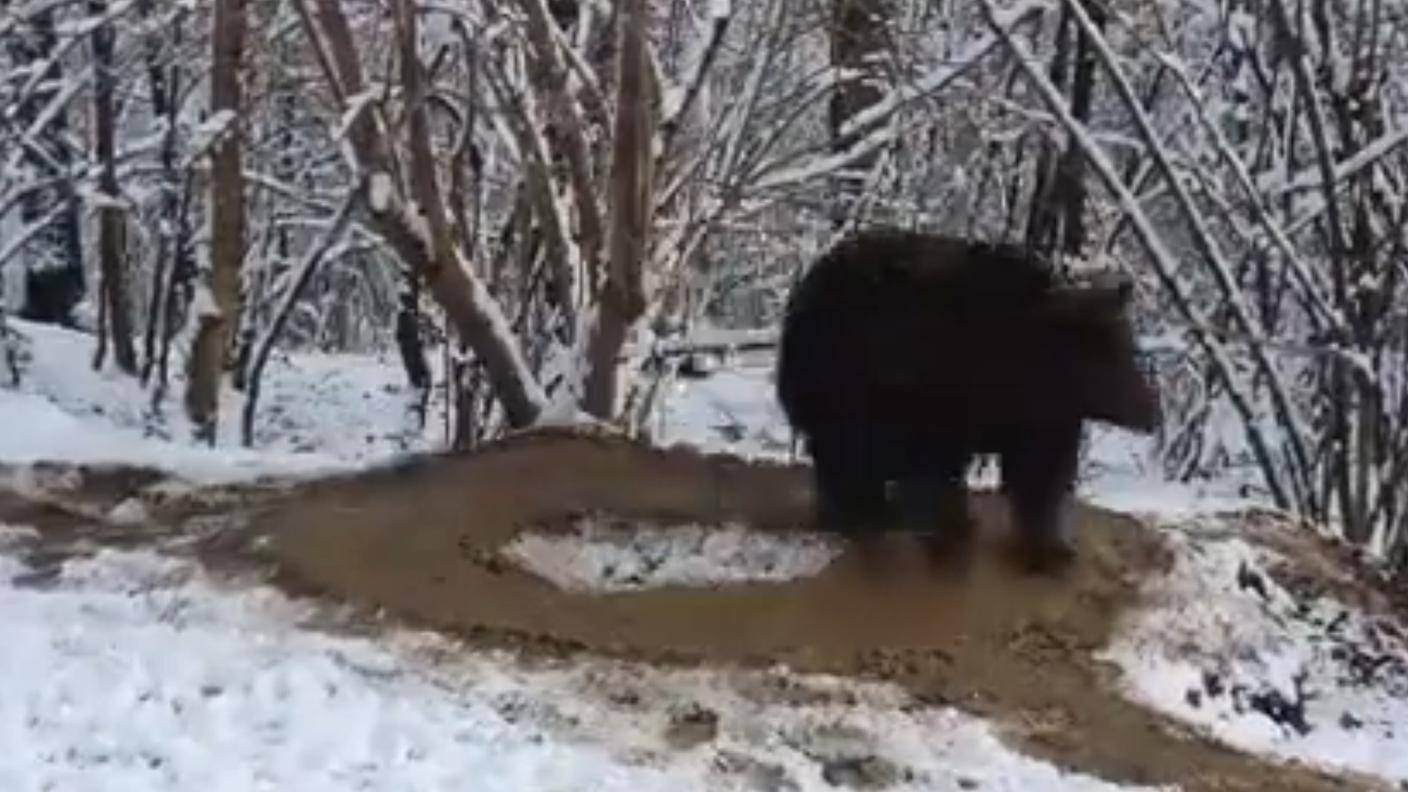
column 420, row 541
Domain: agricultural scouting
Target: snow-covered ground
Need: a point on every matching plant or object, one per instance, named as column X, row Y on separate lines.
column 1266, row 669
column 318, row 414
column 132, row 670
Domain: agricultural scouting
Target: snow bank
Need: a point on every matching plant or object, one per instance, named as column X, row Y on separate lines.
column 1224, row 648
column 133, row 671
column 601, row 554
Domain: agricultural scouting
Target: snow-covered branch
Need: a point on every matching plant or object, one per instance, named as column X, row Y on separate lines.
column 1165, row 264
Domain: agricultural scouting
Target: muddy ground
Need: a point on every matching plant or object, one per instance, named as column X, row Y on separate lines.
column 420, row 542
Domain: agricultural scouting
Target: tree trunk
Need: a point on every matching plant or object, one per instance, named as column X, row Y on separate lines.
column 424, row 243
column 623, row 298
column 215, row 316
column 1057, row 216
column 857, row 40
column 112, row 221
column 172, row 272
column 409, row 343
column 1070, row 179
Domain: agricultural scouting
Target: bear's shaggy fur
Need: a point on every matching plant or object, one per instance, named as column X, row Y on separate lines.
column 903, row 354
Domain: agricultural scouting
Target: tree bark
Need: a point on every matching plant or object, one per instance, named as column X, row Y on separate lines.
column 857, row 39
column 426, row 247
column 52, row 289
column 215, row 318
column 112, row 221
column 1058, row 204
column 171, row 274
column 623, row 298
column 409, row 342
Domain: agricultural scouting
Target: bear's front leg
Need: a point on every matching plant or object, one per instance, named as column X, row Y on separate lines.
column 934, row 503
column 850, row 495
column 1038, row 478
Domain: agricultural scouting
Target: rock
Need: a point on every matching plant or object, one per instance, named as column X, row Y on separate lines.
column 861, row 772
column 691, row 726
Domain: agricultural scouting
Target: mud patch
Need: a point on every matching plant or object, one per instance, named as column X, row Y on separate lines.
column 422, row 542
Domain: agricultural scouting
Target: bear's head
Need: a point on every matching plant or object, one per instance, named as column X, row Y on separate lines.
column 1092, row 321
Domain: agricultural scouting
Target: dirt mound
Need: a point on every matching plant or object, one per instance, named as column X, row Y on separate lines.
column 422, row 541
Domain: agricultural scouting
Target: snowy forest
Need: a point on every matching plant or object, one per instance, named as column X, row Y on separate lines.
column 536, row 205
column 389, row 395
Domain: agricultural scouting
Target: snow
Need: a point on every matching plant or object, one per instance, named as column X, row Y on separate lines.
column 381, row 192
column 1309, row 178
column 203, row 303
column 126, row 676
column 38, row 430
column 732, row 411
column 610, row 554
column 64, row 411
column 493, row 316
column 1212, row 652
column 134, row 671
column 208, row 132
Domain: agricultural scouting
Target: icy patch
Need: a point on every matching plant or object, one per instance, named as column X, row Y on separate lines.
column 134, row 671
column 615, row 555
column 1225, row 648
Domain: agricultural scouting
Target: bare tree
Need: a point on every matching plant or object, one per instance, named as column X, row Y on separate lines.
column 49, row 207
column 858, row 40
column 112, row 212
column 405, row 207
column 215, row 314
column 623, row 298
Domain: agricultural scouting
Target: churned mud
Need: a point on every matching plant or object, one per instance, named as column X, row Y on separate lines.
column 422, row 542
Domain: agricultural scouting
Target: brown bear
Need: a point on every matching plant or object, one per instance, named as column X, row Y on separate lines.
column 903, row 354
